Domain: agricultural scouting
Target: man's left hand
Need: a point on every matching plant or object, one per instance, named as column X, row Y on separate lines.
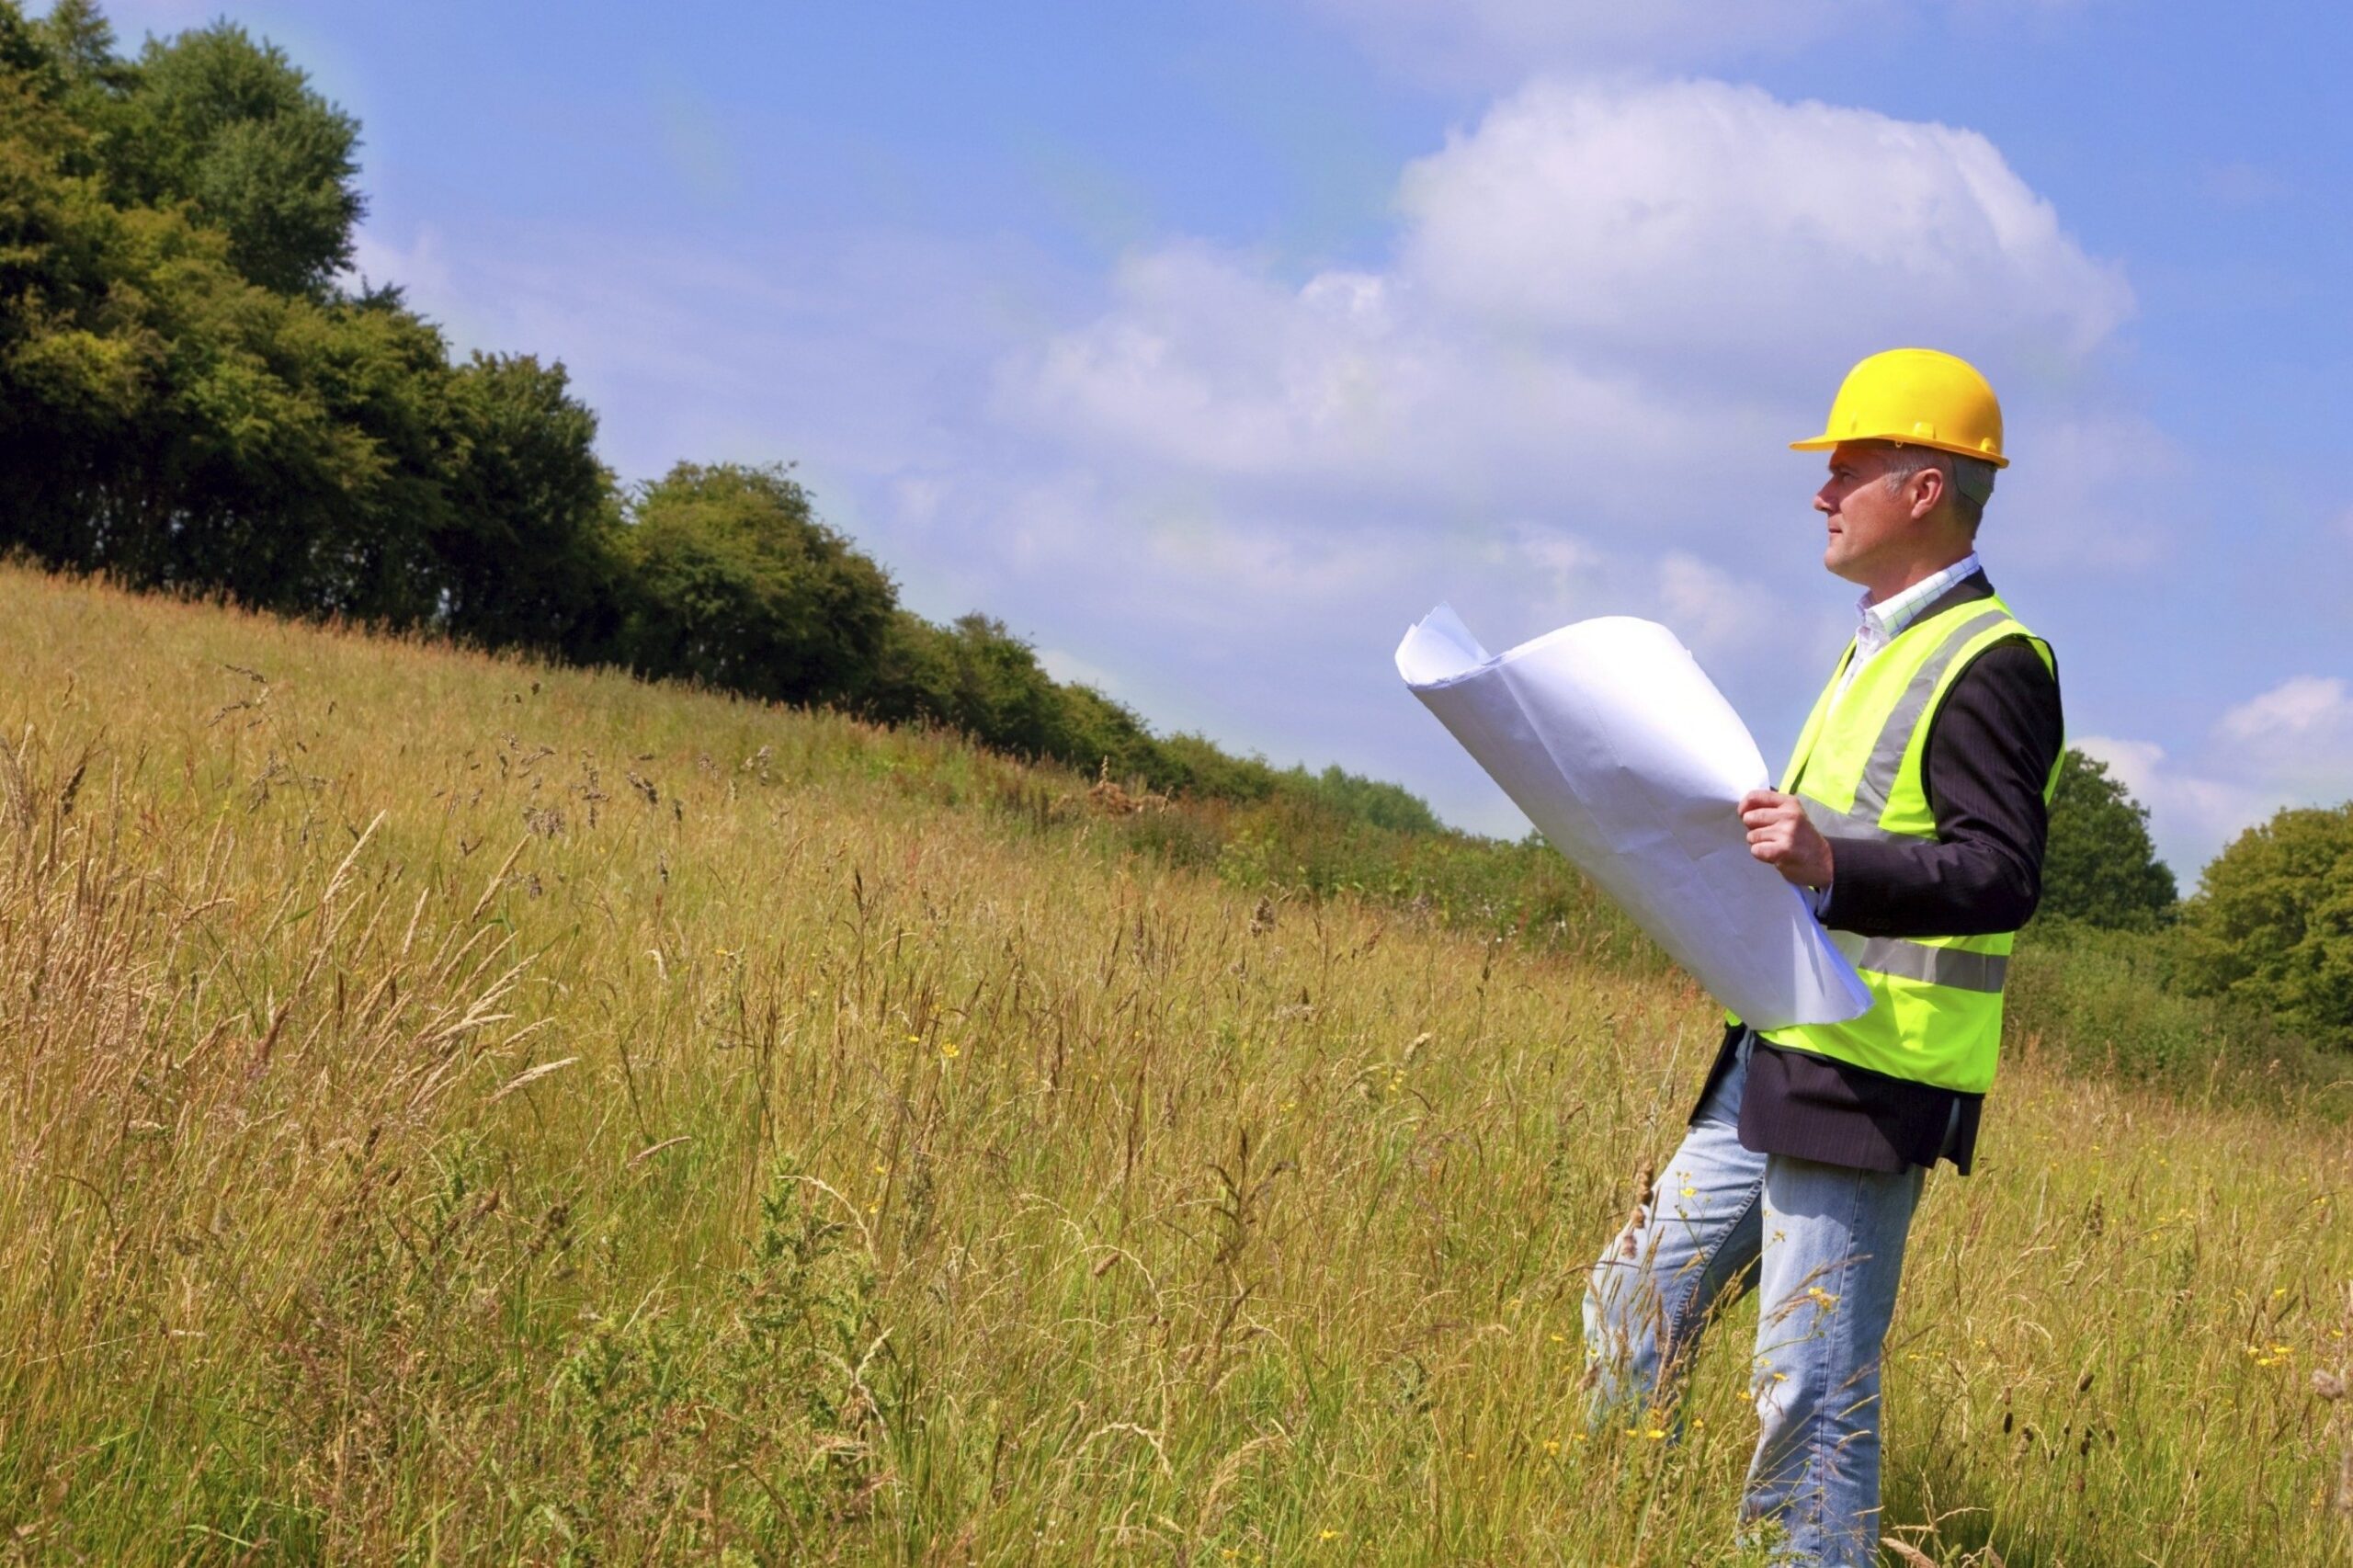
column 1779, row 836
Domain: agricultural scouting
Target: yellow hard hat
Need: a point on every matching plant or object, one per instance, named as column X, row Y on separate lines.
column 1920, row 398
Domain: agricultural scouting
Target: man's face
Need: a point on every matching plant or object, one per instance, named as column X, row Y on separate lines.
column 1869, row 522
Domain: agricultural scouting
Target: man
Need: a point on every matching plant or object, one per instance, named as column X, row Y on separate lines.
column 1913, row 813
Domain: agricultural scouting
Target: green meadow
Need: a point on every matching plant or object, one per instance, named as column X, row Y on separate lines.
column 458, row 1109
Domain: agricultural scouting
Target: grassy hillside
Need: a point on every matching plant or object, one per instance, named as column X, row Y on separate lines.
column 458, row 1111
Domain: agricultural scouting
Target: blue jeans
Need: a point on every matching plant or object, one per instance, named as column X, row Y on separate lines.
column 1826, row 1245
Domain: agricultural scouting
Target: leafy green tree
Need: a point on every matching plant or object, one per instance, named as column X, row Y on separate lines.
column 526, row 560
column 79, row 46
column 729, row 578
column 165, row 417
column 2098, row 865
column 229, row 124
column 2272, row 923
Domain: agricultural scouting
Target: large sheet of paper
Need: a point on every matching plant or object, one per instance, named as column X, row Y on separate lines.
column 1619, row 747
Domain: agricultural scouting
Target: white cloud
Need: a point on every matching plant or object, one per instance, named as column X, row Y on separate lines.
column 1565, row 568
column 2296, row 712
column 1701, row 216
column 2297, row 736
column 2135, row 762
column 420, row 268
column 1222, row 491
column 2191, row 815
column 1347, row 384
column 2289, row 745
column 1590, row 283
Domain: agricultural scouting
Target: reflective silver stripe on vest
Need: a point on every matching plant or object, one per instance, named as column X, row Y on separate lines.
column 1957, row 967
column 1894, row 738
column 1887, row 756
column 1840, row 824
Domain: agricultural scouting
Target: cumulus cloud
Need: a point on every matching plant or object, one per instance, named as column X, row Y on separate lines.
column 1705, row 216
column 2300, row 733
column 420, row 267
column 1555, row 261
column 2295, row 711
column 1349, row 383
column 1070, row 667
column 2289, row 745
column 2192, row 814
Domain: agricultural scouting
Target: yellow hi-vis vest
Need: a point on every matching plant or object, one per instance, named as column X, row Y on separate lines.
column 1936, row 1012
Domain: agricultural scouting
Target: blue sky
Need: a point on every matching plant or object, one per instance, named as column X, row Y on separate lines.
column 1210, row 344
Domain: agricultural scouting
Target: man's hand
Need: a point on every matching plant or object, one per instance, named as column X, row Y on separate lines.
column 1779, row 836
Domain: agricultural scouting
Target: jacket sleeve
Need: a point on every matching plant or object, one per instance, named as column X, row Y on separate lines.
column 1992, row 745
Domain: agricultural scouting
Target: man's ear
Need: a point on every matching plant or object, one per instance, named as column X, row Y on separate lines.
column 1927, row 493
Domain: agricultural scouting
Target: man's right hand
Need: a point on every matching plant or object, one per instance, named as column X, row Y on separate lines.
column 1779, row 834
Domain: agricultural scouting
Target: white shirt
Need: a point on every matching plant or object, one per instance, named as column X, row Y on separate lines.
column 1877, row 625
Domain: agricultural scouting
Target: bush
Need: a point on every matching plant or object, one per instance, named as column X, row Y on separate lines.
column 2110, row 1005
column 730, row 579
column 1366, row 799
column 2272, row 924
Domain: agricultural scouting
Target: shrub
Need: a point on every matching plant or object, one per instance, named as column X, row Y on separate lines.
column 730, row 579
column 2272, row 924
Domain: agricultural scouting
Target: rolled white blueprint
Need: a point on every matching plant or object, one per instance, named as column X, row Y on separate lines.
column 1618, row 746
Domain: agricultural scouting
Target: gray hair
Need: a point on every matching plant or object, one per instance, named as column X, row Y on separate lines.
column 1970, row 480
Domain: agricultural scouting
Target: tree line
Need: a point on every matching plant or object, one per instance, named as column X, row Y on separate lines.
column 196, row 396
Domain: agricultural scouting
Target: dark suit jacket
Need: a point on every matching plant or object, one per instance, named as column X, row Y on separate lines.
column 1992, row 743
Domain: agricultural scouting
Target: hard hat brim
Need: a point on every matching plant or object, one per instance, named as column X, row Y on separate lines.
column 1827, row 441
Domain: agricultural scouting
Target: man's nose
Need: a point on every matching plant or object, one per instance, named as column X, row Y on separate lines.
column 1822, row 501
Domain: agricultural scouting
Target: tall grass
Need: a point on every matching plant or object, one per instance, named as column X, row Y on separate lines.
column 461, row 1111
